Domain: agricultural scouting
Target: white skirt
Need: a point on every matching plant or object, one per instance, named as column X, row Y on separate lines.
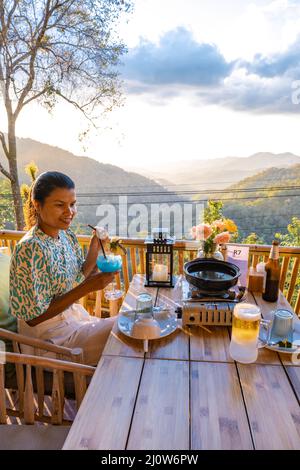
column 58, row 329
column 73, row 328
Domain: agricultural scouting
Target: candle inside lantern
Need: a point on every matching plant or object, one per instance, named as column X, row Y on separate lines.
column 160, row 273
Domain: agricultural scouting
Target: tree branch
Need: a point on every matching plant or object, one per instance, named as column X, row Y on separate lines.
column 4, row 146
column 31, row 78
column 5, row 149
column 77, row 106
column 34, row 97
column 5, row 173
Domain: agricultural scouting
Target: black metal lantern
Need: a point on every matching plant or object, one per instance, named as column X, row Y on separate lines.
column 159, row 259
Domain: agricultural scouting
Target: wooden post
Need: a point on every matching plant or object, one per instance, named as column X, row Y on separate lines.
column 79, row 380
column 57, row 411
column 28, row 398
column 114, row 306
column 98, row 304
column 20, row 378
column 39, row 374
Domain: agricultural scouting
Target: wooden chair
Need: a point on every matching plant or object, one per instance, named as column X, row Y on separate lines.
column 61, row 377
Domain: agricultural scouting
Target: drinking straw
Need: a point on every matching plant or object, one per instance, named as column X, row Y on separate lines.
column 104, row 254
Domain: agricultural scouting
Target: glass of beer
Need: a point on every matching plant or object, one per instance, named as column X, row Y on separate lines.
column 246, row 322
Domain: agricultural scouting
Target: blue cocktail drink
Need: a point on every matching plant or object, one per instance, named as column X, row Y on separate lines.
column 110, row 264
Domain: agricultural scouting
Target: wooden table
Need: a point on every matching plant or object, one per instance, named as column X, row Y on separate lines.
column 187, row 393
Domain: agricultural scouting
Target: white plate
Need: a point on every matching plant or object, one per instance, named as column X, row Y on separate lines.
column 296, row 339
column 283, row 350
column 165, row 318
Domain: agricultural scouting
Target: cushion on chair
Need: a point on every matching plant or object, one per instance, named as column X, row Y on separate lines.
column 8, row 322
column 32, row 437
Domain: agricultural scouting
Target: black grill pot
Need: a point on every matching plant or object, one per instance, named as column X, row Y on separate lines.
column 201, row 273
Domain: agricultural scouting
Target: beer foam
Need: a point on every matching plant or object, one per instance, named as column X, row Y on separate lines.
column 246, row 311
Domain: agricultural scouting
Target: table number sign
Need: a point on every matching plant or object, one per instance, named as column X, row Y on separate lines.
column 239, row 255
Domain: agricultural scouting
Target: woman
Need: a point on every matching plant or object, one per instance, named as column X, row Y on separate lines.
column 48, row 273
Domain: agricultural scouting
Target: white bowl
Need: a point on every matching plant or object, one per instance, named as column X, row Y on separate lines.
column 145, row 328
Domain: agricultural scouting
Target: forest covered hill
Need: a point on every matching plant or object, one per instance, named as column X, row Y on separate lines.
column 264, row 203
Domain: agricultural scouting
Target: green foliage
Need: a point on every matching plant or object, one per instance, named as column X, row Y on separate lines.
column 253, row 239
column 7, row 217
column 213, row 211
column 270, row 211
column 31, row 170
column 292, row 238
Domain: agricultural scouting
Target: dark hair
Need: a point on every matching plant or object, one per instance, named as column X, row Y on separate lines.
column 40, row 189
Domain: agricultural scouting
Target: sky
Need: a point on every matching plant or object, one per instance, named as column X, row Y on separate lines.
column 202, row 79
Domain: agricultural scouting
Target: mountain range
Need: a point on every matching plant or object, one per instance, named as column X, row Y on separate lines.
column 217, row 173
column 264, row 212
column 96, row 183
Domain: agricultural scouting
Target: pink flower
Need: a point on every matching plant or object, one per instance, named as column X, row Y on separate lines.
column 223, row 237
column 219, row 224
column 203, row 231
column 194, row 232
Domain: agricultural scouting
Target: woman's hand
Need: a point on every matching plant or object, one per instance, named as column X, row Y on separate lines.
column 93, row 253
column 95, row 244
column 99, row 281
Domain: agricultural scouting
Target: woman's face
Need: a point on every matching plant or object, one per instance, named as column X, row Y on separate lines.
column 58, row 209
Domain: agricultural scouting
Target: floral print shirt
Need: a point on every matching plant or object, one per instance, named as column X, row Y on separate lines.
column 43, row 267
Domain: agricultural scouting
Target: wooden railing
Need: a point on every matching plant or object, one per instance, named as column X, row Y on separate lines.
column 134, row 262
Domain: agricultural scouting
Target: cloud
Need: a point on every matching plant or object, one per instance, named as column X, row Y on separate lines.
column 177, row 59
column 180, row 66
column 248, row 92
column 286, row 63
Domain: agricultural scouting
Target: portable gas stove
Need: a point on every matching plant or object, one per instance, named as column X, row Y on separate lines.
column 201, row 308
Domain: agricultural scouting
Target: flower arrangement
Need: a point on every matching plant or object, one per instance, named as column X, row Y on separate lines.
column 214, row 234
column 116, row 246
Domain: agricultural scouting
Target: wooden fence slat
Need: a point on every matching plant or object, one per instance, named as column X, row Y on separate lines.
column 293, row 279
column 180, row 262
column 125, row 271
column 133, row 260
column 284, row 268
column 255, row 260
column 142, row 260
column 297, row 307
